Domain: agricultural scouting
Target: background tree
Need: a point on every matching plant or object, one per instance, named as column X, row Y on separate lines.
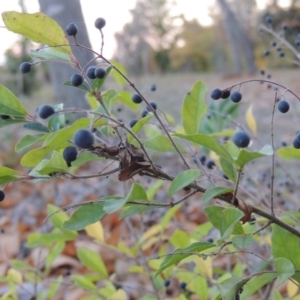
column 65, row 12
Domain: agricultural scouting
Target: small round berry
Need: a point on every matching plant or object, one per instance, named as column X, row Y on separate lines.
column 100, row 73
column 266, row 53
column 210, row 240
column 269, row 76
column 283, row 144
column 210, row 164
column 202, row 159
column 279, row 49
column 100, row 23
column 4, row 117
column 76, row 79
column 262, row 72
column 45, row 111
column 225, row 94
column 2, row 195
column 153, row 87
column 25, row 67
column 167, row 282
column 71, row 29
column 283, row 106
column 136, row 98
column 216, row 94
column 241, row 139
column 84, row 139
column 70, row 154
column 144, row 113
column 182, row 285
column 133, row 122
column 297, row 42
column 296, row 142
column 252, row 221
column 268, row 19
column 273, row 43
column 236, row 97
column 90, row 72
column 67, row 272
column 281, row 54
column 153, row 105
column 284, row 27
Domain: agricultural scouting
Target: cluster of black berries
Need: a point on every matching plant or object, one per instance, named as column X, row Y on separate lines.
column 217, row 94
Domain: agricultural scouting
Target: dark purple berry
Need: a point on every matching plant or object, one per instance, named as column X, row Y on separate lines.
column 100, row 23
column 136, row 98
column 167, row 283
column 133, row 122
column 266, row 53
column 4, row 117
column 182, row 285
column 296, row 142
column 225, row 94
column 76, row 79
column 153, row 105
column 153, row 87
column 84, row 139
column 71, row 29
column 284, row 27
column 90, row 72
column 236, row 97
column 45, row 111
column 210, row 240
column 144, row 113
column 283, row 106
column 202, row 159
column 268, row 19
column 2, row 195
column 216, row 94
column 100, row 73
column 281, row 54
column 273, row 43
column 241, row 139
column 70, row 154
column 262, row 72
column 210, row 164
column 25, row 67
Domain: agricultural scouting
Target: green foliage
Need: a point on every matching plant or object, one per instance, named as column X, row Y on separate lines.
column 180, row 253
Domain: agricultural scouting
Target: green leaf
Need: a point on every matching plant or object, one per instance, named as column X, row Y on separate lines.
column 138, row 126
column 181, row 180
column 194, row 108
column 116, row 75
column 229, row 169
column 10, row 105
column 84, row 216
column 286, row 245
column 28, row 140
column 255, row 283
column 36, row 127
column 113, row 204
column 160, row 143
column 223, row 219
column 284, row 268
column 54, row 141
column 168, row 216
column 9, row 175
column 208, row 142
column 53, row 254
column 8, row 122
column 37, row 27
column 84, row 283
column 242, row 241
column 230, row 287
column 137, row 209
column 55, row 164
column 58, row 217
column 180, row 254
column 82, row 87
column 125, row 98
column 85, row 158
column 214, row 192
column 92, row 260
column 50, row 54
column 179, row 238
column 289, row 153
column 53, row 288
column 246, row 156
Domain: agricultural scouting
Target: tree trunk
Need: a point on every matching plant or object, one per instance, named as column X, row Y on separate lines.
column 238, row 40
column 65, row 12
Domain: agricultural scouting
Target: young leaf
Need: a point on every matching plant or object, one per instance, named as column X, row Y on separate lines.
column 250, row 120
column 84, row 282
column 9, row 175
column 255, row 283
column 82, row 87
column 10, row 104
column 50, row 54
column 161, row 143
column 28, row 140
column 92, row 260
column 58, row 217
column 208, row 142
column 84, row 216
column 138, row 126
column 55, row 164
column 54, row 252
column 284, row 268
column 223, row 219
column 286, row 245
column 53, row 288
column 194, row 108
column 36, row 127
column 37, row 27
column 242, row 241
column 229, row 169
column 181, row 180
column 180, row 254
column 230, row 287
column 116, row 75
column 214, row 192
column 289, row 153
